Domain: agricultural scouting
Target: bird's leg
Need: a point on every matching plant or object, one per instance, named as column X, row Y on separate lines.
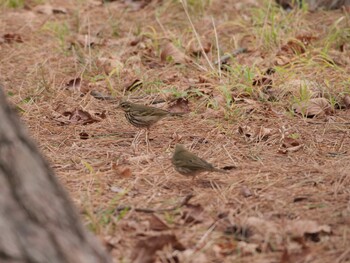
column 135, row 140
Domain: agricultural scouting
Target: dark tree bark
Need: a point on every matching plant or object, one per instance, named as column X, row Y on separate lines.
column 38, row 222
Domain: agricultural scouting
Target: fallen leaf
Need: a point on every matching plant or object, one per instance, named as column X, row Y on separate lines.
column 346, row 100
column 195, row 49
column 290, row 145
column 49, row 10
column 306, row 38
column 263, row 81
column 74, row 84
column 145, row 249
column 122, row 170
column 307, row 229
column 170, row 53
column 179, row 106
column 78, row 116
column 111, row 242
column 313, row 107
column 247, row 249
column 157, row 224
column 245, row 191
column 12, row 37
column 257, row 134
column 281, row 60
column 87, row 40
column 293, row 46
column 109, row 64
column 193, row 214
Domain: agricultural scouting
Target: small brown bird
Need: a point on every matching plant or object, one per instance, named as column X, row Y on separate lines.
column 142, row 116
column 187, row 163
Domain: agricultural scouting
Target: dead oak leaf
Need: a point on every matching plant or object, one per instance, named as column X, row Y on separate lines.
column 170, row 53
column 193, row 214
column 313, row 107
column 122, row 170
column 145, row 249
column 193, row 48
column 307, row 229
column 179, row 106
column 78, row 116
column 290, row 145
column 11, row 38
column 110, row 64
column 49, row 10
column 156, row 224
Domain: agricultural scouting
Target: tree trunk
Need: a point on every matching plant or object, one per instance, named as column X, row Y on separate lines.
column 38, row 222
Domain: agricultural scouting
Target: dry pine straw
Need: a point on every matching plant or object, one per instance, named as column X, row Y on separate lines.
column 89, row 168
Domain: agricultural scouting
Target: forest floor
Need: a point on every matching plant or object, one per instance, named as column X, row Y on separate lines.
column 275, row 115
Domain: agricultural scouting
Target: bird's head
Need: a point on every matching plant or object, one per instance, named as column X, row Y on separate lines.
column 125, row 105
column 179, row 148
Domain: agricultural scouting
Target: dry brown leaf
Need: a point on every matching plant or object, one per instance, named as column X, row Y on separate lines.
column 245, row 191
column 263, row 81
column 281, row 60
column 194, row 49
column 213, row 114
column 77, row 116
column 297, row 86
column 248, row 249
column 157, row 224
column 179, row 106
column 293, row 46
column 122, row 170
column 145, row 249
column 47, row 9
column 254, row 134
column 109, row 64
column 313, row 107
column 74, row 84
column 12, row 37
column 303, row 228
column 170, row 53
column 193, row 214
column 290, row 145
column 346, row 100
column 111, row 242
column 87, row 40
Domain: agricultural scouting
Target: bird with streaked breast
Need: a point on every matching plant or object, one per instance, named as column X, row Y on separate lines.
column 143, row 116
column 189, row 164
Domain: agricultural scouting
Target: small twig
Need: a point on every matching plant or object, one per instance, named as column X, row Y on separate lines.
column 184, row 202
column 224, row 59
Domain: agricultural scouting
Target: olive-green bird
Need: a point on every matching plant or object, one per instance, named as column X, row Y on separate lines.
column 142, row 116
column 187, row 163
